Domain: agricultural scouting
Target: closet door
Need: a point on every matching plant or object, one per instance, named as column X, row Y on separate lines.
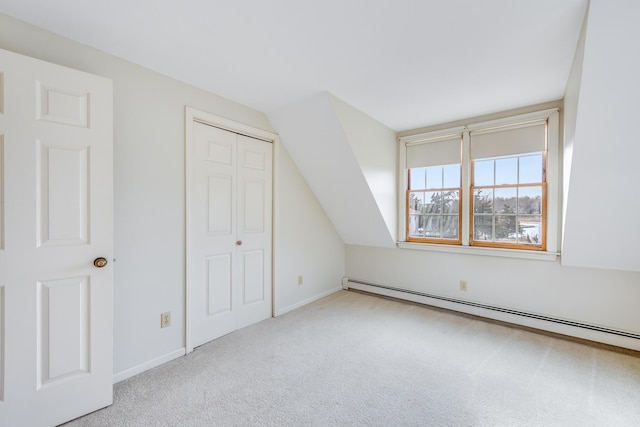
column 229, row 232
column 254, row 231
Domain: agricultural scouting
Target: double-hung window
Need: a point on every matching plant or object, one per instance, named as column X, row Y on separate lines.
column 434, row 190
column 491, row 184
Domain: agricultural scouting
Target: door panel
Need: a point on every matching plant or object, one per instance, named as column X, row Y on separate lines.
column 221, row 150
column 220, row 205
column 63, row 326
column 252, row 277
column 2, row 341
column 2, row 215
column 229, row 238
column 2, row 246
column 57, row 195
column 254, row 206
column 219, row 286
column 62, row 106
column 62, row 195
column 253, row 159
column 1, row 92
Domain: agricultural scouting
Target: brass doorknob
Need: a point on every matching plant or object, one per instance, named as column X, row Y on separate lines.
column 239, row 243
column 100, row 262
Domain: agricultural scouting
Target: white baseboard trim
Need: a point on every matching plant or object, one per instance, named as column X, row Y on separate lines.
column 541, row 324
column 281, row 311
column 138, row 369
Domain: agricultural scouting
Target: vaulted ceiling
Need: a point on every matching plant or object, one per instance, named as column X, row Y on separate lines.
column 406, row 63
column 336, row 78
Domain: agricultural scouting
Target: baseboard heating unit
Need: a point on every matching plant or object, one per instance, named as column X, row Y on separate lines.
column 557, row 325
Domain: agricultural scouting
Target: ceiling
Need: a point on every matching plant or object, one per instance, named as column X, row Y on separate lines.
column 406, row 63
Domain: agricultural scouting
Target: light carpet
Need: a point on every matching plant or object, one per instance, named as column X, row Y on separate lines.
column 353, row 359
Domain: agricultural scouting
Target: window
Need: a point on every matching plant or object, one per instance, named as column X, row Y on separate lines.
column 489, row 185
column 434, row 191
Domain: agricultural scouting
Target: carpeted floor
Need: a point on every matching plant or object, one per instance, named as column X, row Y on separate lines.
column 353, row 359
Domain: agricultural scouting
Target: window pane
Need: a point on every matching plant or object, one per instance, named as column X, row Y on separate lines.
column 450, row 202
column 434, row 177
column 450, row 226
column 416, row 202
column 507, row 171
column 417, row 179
column 505, row 200
column 531, row 169
column 483, row 172
column 530, row 229
column 433, row 202
column 451, row 176
column 434, row 214
column 483, row 227
column 483, row 201
column 432, row 225
column 530, row 200
column 419, row 226
column 506, row 228
column 414, row 221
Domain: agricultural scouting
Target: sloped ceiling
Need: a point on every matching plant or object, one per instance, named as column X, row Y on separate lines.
column 392, row 66
column 405, row 63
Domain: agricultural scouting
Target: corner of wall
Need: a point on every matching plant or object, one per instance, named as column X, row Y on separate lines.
column 374, row 147
column 570, row 117
column 318, row 143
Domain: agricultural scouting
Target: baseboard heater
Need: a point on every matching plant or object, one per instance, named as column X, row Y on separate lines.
column 347, row 281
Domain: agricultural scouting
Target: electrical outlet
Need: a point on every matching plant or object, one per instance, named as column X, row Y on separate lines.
column 165, row 319
column 463, row 285
column 300, row 280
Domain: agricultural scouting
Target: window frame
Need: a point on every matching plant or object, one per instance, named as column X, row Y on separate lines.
column 408, row 191
column 551, row 189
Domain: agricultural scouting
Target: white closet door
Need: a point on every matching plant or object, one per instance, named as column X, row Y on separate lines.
column 55, row 219
column 229, row 248
column 254, row 231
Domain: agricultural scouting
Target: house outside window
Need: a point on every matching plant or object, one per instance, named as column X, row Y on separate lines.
column 491, row 184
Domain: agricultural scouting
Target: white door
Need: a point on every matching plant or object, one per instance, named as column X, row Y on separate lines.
column 229, row 241
column 55, row 220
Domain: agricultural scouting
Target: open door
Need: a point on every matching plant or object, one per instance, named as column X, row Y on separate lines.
column 56, row 234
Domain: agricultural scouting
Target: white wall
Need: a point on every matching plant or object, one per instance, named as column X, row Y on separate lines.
column 308, row 246
column 149, row 184
column 600, row 297
column 375, row 149
column 318, row 144
column 601, row 225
